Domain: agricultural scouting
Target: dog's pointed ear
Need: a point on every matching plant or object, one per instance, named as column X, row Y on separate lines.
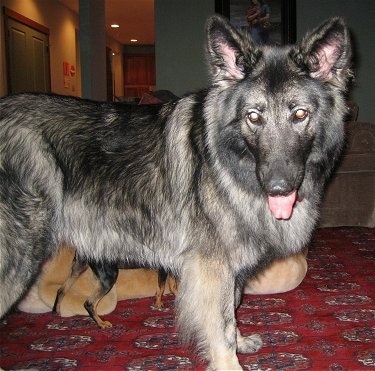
column 326, row 53
column 229, row 53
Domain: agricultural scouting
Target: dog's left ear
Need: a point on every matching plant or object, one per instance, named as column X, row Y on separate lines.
column 229, row 53
column 326, row 53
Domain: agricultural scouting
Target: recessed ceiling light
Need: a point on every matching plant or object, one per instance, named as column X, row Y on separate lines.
column 115, row 25
column 133, row 40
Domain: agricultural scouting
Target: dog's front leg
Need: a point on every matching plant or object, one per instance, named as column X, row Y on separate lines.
column 206, row 312
column 245, row 344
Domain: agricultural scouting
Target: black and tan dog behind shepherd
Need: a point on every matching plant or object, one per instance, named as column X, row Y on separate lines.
column 106, row 274
column 212, row 186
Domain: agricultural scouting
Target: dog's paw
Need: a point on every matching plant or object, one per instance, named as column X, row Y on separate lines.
column 248, row 344
column 223, row 362
column 104, row 324
column 158, row 304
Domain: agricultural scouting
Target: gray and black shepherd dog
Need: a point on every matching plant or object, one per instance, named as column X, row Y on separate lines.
column 212, row 187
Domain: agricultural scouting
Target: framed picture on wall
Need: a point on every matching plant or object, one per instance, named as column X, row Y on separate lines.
column 267, row 21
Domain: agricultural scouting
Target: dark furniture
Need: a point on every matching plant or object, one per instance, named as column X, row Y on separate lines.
column 350, row 196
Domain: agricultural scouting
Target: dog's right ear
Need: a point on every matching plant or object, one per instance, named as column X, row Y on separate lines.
column 229, row 53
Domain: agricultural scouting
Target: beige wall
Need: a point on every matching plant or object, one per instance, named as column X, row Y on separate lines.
column 63, row 25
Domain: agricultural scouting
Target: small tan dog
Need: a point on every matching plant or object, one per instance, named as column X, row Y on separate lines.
column 106, row 275
column 281, row 276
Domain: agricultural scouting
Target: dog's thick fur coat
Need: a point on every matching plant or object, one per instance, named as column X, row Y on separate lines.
column 212, row 187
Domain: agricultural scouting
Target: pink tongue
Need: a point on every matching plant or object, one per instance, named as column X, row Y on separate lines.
column 282, row 206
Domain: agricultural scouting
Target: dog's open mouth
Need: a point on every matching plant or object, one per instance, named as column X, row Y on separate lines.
column 282, row 206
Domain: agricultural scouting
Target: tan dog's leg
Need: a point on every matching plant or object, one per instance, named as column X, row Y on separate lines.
column 78, row 267
column 173, row 285
column 162, row 277
column 107, row 274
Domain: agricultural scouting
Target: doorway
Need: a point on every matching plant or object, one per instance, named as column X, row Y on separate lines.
column 27, row 54
column 140, row 75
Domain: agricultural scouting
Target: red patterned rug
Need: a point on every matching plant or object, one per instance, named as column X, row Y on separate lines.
column 327, row 323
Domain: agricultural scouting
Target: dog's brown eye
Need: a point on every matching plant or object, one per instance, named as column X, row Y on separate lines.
column 300, row 114
column 253, row 117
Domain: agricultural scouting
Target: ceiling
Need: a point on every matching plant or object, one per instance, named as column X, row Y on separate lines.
column 135, row 17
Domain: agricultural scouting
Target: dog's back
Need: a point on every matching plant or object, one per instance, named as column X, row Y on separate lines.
column 64, row 163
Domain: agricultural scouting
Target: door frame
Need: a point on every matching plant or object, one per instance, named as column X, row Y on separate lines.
column 11, row 14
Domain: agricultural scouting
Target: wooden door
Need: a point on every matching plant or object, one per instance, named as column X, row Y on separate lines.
column 139, row 72
column 27, row 58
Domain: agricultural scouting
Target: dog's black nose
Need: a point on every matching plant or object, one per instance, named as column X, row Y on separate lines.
column 278, row 186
